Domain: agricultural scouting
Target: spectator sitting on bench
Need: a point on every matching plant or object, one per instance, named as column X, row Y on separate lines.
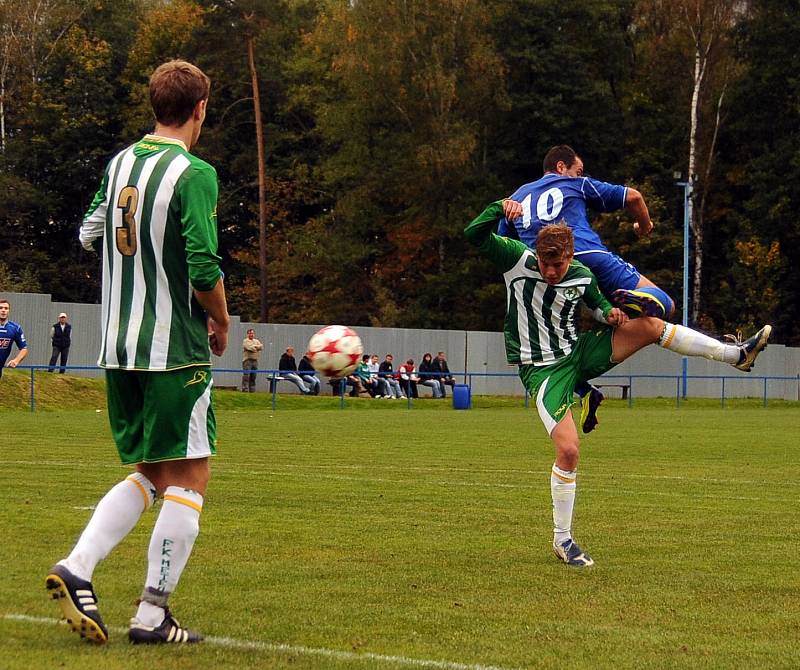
column 308, row 374
column 386, row 371
column 381, row 385
column 427, row 376
column 364, row 376
column 445, row 378
column 409, row 378
column 287, row 368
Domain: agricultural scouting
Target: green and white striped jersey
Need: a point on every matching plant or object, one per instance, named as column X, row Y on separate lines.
column 155, row 218
column 540, row 325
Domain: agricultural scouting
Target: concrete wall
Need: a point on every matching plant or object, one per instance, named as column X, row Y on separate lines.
column 473, row 351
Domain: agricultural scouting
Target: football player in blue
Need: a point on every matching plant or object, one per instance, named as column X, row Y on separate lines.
column 562, row 194
column 10, row 333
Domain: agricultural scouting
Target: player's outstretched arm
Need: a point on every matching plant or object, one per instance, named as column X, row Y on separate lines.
column 635, row 204
column 512, row 210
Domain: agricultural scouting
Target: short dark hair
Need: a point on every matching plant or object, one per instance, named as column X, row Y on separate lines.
column 175, row 89
column 560, row 152
column 555, row 241
column 365, row 357
column 3, row 301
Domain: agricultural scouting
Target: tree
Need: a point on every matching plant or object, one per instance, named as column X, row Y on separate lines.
column 697, row 33
column 64, row 126
column 760, row 162
column 404, row 113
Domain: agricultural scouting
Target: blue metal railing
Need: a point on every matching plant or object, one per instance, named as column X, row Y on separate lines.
column 681, row 382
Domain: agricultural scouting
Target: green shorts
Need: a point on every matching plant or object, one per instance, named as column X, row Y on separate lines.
column 161, row 416
column 552, row 385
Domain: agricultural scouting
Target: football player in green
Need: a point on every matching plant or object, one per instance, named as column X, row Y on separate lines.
column 154, row 220
column 544, row 287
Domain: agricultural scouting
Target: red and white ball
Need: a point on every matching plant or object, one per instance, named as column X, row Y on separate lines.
column 335, row 350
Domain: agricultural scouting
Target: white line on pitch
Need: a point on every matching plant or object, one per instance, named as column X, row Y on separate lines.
column 299, row 650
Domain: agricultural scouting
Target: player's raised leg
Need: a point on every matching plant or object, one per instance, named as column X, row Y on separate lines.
column 638, row 333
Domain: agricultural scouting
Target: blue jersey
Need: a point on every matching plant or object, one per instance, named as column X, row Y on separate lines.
column 10, row 332
column 557, row 199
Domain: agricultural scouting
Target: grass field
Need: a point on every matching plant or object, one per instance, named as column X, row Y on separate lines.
column 396, row 539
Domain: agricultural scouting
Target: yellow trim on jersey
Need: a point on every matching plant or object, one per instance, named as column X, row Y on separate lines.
column 185, row 501
column 164, row 140
column 132, row 478
column 172, row 369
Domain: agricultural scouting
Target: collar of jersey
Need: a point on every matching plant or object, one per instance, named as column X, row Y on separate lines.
column 164, row 140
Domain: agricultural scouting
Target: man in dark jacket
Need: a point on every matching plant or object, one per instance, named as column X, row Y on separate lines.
column 61, row 334
column 440, row 365
column 288, row 370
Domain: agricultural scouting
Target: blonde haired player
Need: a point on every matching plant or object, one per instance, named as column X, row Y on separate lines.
column 544, row 287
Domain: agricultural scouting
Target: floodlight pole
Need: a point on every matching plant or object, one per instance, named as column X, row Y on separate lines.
column 687, row 194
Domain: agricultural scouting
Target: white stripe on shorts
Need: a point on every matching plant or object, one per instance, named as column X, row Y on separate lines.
column 197, row 445
column 549, row 422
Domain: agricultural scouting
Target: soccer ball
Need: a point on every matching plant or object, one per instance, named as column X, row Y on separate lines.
column 335, row 350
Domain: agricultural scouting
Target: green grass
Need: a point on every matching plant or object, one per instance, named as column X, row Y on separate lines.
column 425, row 535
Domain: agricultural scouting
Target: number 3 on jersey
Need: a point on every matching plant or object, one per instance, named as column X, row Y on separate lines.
column 126, row 233
column 548, row 207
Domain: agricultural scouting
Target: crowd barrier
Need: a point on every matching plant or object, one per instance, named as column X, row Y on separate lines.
column 462, row 393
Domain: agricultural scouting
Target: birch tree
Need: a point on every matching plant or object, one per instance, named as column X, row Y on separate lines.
column 708, row 23
column 693, row 38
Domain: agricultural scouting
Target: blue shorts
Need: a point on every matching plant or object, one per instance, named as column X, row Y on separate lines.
column 611, row 271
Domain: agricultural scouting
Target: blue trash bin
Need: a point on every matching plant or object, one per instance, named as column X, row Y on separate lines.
column 461, row 396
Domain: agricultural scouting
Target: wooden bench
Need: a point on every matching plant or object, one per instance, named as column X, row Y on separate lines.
column 625, row 388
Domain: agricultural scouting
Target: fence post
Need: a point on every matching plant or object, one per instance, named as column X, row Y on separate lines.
column 630, row 391
column 723, row 392
column 33, row 395
column 765, row 391
column 274, row 385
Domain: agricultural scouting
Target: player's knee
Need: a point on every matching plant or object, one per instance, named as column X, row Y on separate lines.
column 567, row 453
column 651, row 326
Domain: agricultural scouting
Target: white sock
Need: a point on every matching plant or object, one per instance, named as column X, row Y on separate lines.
column 689, row 342
column 562, row 490
column 114, row 517
column 171, row 544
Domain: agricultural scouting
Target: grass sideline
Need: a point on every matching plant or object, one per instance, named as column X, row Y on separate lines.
column 423, row 539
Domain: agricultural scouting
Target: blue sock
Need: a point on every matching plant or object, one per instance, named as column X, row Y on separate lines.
column 661, row 296
column 582, row 388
